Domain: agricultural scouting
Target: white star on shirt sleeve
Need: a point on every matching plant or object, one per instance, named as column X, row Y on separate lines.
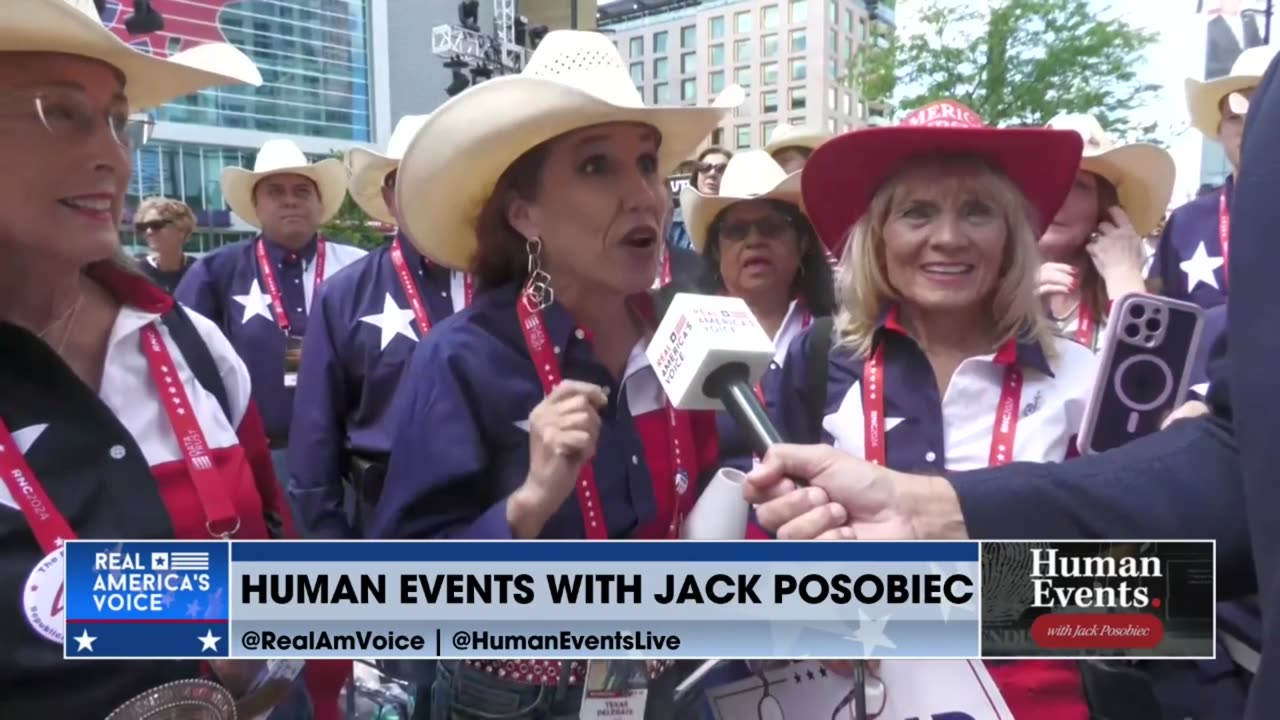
column 1199, row 269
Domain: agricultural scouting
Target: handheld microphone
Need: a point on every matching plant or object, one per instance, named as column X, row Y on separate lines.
column 709, row 352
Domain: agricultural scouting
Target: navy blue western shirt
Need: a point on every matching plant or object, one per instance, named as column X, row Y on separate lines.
column 360, row 337
column 227, row 287
column 1188, row 260
column 462, row 443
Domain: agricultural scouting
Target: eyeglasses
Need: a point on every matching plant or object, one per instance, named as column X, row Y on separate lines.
column 69, row 115
column 143, row 227
column 712, row 168
column 769, row 227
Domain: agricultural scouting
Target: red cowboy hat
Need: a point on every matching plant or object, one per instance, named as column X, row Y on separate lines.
column 843, row 174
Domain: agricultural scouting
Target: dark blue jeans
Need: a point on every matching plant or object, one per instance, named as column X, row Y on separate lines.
column 465, row 693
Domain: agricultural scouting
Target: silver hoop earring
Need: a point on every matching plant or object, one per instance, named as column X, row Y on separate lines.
column 538, row 293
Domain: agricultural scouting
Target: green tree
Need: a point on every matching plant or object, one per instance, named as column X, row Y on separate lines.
column 352, row 225
column 1014, row 62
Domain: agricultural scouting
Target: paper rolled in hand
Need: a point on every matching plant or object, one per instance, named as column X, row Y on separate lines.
column 721, row 512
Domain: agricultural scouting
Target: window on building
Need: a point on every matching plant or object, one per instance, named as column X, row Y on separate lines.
column 637, row 72
column 742, row 50
column 797, row 121
column 688, row 37
column 833, row 69
column 716, row 28
column 770, row 18
column 688, row 63
column 832, row 126
column 742, row 137
column 637, row 47
column 715, row 56
column 799, row 11
column 688, row 90
column 799, row 98
column 715, row 81
column 717, row 137
column 769, row 73
column 661, row 94
column 660, row 41
column 862, row 29
column 742, row 76
column 799, row 70
column 848, row 20
column 862, row 111
column 799, row 41
column 831, row 100
column 833, row 40
column 766, row 131
column 660, row 69
column 848, row 103
column 769, row 101
column 742, row 23
column 768, row 45
column 833, row 11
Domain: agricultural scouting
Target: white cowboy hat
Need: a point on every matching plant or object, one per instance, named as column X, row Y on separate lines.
column 752, row 175
column 1204, row 99
column 280, row 156
column 369, row 168
column 1143, row 174
column 575, row 79
column 75, row 28
column 786, row 136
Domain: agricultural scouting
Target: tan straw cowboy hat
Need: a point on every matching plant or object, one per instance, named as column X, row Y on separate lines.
column 752, row 175
column 1142, row 173
column 575, row 79
column 73, row 27
column 280, row 156
column 369, row 168
column 1204, row 98
column 788, row 136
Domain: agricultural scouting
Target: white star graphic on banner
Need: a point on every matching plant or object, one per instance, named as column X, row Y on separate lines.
column 392, row 321
column 846, row 424
column 1199, row 269
column 209, row 641
column 255, row 303
column 871, row 633
column 960, row 569
column 84, row 641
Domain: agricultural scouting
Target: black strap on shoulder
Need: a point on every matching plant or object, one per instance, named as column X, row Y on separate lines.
column 197, row 354
column 816, row 375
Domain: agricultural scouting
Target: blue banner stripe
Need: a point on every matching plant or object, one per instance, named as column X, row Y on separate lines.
column 752, row 551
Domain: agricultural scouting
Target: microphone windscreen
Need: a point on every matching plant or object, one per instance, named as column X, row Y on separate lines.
column 699, row 334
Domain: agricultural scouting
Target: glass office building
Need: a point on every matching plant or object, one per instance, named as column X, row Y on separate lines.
column 317, row 59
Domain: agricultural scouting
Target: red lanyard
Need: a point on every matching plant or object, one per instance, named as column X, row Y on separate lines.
column 273, row 287
column 1224, row 230
column 411, row 288
column 1084, row 326
column 1003, row 430
column 666, row 266
column 550, row 375
column 51, row 528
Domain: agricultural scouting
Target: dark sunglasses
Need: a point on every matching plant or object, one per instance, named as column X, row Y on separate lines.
column 712, row 168
column 766, row 227
column 152, row 225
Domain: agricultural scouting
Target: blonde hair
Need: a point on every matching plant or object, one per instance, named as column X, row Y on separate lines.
column 175, row 211
column 865, row 290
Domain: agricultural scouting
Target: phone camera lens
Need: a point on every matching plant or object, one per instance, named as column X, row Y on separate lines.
column 1153, row 325
column 1132, row 330
column 1137, row 311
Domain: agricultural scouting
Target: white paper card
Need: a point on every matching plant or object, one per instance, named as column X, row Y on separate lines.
column 911, row 689
column 291, row 380
column 615, row 690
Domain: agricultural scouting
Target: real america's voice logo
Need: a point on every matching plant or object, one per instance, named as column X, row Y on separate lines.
column 132, row 582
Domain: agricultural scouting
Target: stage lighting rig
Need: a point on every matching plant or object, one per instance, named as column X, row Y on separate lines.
column 497, row 51
column 469, row 14
column 536, row 33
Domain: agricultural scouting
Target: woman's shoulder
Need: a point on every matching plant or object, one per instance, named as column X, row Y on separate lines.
column 1072, row 362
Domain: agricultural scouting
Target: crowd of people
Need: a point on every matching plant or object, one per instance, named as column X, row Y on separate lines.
column 483, row 374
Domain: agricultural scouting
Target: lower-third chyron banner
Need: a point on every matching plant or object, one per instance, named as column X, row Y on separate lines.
column 1132, row 599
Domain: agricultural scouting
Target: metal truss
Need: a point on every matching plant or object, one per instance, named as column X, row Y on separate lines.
column 498, row 50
